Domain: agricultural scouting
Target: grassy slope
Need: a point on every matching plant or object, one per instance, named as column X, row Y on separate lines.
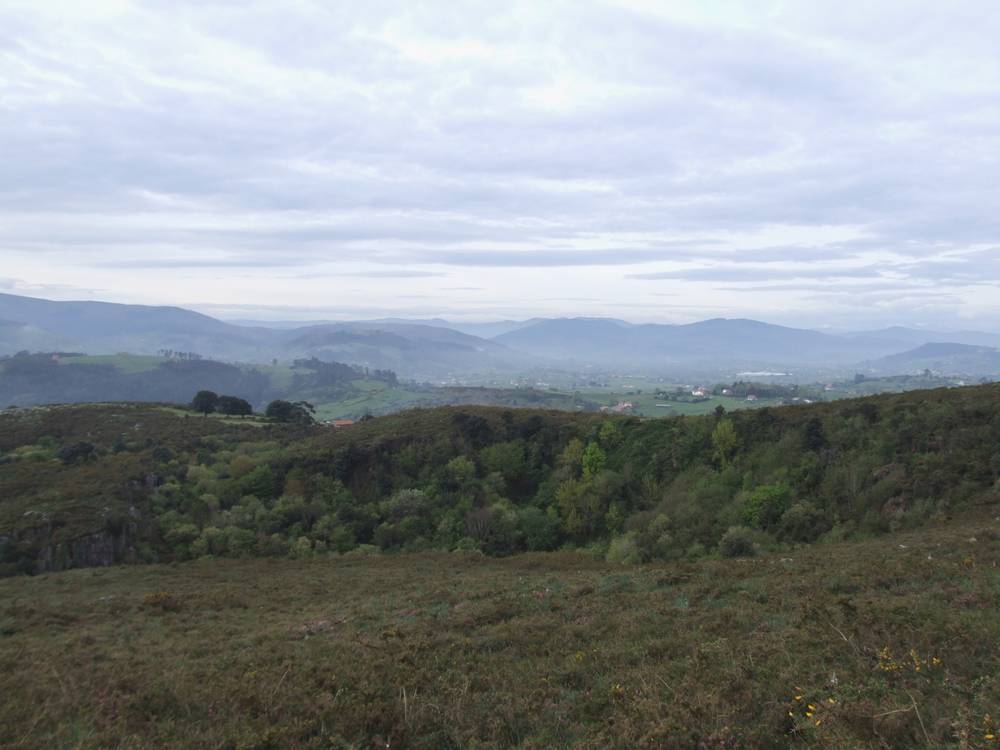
column 126, row 363
column 893, row 641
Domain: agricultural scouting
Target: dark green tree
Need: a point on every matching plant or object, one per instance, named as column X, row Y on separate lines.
column 294, row 412
column 205, row 401
column 234, row 406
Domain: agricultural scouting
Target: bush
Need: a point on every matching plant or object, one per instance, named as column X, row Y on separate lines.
column 738, row 541
column 766, row 504
column 803, row 522
column 624, row 549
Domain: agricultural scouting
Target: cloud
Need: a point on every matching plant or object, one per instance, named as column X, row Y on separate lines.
column 400, row 274
column 308, row 151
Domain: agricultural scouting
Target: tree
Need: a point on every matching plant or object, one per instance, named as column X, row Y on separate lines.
column 234, row 406
column 593, row 460
column 724, row 441
column 77, row 453
column 205, row 402
column 766, row 505
column 296, row 412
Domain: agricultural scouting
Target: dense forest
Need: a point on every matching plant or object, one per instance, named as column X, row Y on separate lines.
column 92, row 484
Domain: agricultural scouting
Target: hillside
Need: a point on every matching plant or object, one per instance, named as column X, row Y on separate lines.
column 918, row 336
column 103, row 483
column 819, row 575
column 884, row 643
column 948, row 358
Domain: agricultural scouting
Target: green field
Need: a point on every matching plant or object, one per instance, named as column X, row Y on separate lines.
column 126, row 363
column 887, row 643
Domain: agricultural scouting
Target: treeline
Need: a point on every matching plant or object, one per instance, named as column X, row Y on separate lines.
column 279, row 410
column 503, row 481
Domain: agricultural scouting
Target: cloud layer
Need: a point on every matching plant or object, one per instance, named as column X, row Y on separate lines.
column 822, row 163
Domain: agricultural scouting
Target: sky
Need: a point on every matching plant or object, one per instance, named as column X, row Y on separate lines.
column 824, row 164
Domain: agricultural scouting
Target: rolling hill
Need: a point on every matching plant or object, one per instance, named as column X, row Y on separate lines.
column 946, row 358
column 412, row 350
column 718, row 341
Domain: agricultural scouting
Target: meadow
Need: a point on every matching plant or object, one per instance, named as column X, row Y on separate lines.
column 884, row 643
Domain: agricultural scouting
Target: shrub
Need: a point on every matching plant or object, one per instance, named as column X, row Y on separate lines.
column 803, row 522
column 624, row 549
column 766, row 504
column 738, row 541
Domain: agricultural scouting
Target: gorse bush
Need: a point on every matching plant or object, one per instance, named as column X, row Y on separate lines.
column 498, row 480
column 738, row 541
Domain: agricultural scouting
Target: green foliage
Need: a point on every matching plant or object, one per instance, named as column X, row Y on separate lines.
column 624, row 549
column 289, row 412
column 205, row 401
column 738, row 541
column 234, row 406
column 593, row 460
column 509, row 480
column 766, row 505
column 803, row 522
column 724, row 441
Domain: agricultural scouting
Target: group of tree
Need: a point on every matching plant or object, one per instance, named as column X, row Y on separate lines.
column 207, row 402
column 288, row 412
column 171, row 354
column 291, row 412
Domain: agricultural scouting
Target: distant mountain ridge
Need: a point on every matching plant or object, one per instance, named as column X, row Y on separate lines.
column 591, row 340
column 412, row 350
column 941, row 357
column 435, row 348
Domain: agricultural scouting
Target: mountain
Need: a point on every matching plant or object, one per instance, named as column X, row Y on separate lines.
column 415, row 350
column 105, row 327
column 486, row 330
column 918, row 336
column 436, row 348
column 412, row 350
column 947, row 358
column 720, row 341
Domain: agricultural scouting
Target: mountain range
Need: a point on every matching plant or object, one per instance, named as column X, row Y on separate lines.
column 434, row 348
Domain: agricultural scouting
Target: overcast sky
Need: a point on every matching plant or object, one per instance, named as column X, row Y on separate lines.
column 815, row 163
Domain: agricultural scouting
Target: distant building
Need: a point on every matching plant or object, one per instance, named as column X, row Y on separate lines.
column 699, row 392
column 619, row 408
column 751, row 397
column 340, row 422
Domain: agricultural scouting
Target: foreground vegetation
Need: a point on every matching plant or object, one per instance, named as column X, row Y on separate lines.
column 97, row 484
column 808, row 576
column 886, row 643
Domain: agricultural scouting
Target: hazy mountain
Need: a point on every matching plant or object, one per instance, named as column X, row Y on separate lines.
column 414, row 350
column 720, row 340
column 105, row 328
column 918, row 336
column 947, row 358
column 435, row 348
column 484, row 330
column 16, row 336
